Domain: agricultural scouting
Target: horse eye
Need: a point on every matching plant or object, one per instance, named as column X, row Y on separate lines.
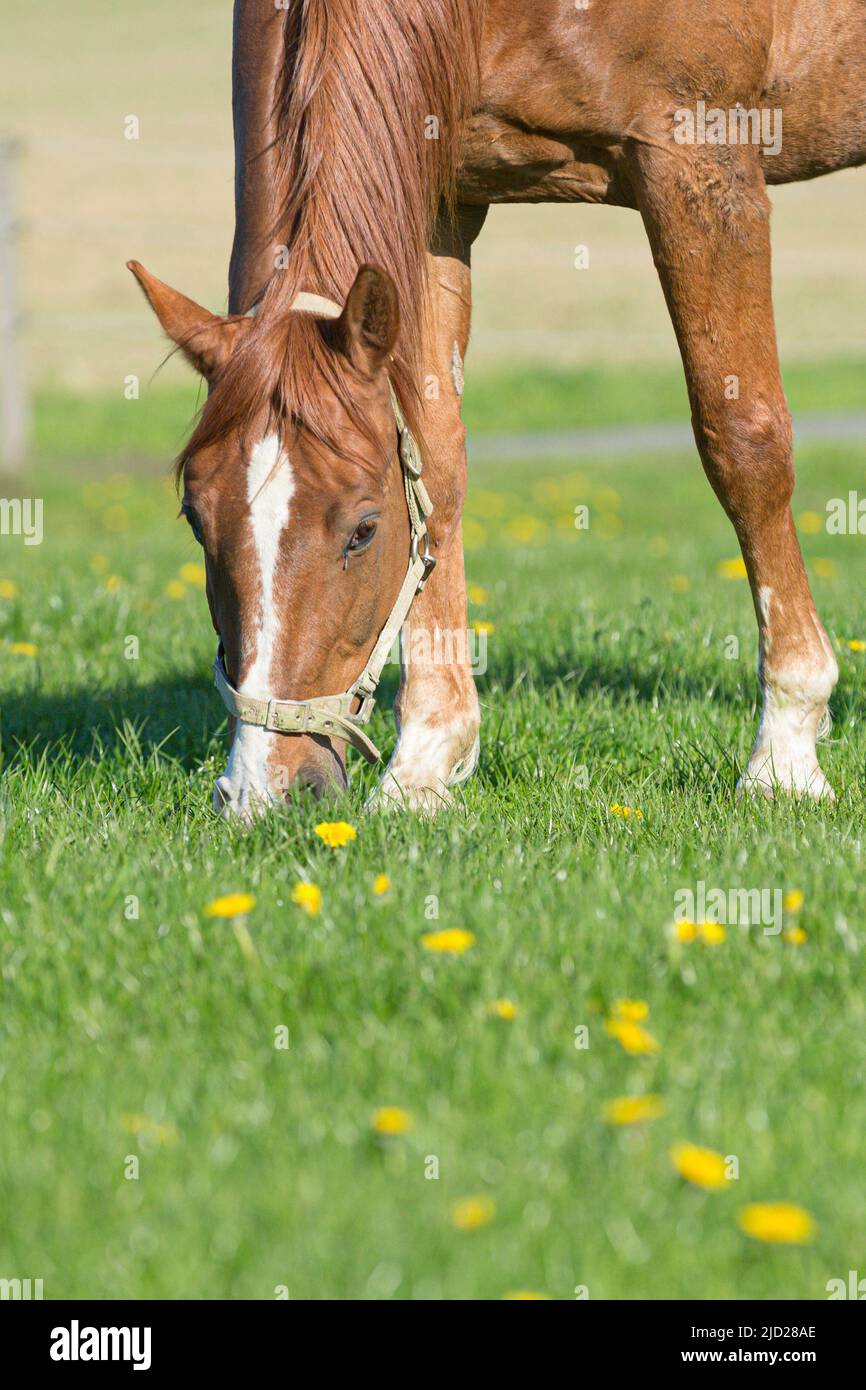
column 194, row 523
column 362, row 535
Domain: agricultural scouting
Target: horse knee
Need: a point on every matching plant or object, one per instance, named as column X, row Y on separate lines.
column 747, row 452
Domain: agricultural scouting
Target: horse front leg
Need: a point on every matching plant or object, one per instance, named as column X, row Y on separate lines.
column 708, row 219
column 437, row 705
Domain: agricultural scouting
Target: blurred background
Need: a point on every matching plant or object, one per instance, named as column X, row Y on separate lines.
column 85, row 198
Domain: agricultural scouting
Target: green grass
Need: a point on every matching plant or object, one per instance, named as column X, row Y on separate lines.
column 108, row 428
column 266, row 1172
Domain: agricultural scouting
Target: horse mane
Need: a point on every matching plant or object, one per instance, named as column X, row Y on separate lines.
column 368, row 110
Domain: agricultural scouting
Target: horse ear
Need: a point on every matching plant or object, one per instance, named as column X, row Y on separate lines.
column 367, row 329
column 205, row 339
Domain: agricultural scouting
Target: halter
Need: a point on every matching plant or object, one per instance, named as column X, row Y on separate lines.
column 333, row 715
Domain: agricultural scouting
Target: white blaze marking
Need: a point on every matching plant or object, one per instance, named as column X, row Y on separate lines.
column 270, row 487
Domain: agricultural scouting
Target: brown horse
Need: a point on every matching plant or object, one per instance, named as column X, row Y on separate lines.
column 371, row 138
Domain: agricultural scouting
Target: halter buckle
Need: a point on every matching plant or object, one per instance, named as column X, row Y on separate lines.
column 428, row 559
column 409, row 453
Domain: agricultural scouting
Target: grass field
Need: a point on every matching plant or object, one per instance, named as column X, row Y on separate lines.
column 608, row 685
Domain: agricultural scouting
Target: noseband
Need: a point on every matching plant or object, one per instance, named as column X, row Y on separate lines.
column 334, row 715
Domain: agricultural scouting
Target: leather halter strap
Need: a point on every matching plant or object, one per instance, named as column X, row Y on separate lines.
column 335, row 716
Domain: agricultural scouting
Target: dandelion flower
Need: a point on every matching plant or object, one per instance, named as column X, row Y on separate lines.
column 632, row 1037
column 780, row 1223
column 503, row 1008
column 795, row 935
column 526, row 1296
column 381, row 884
column 112, row 583
column 232, row 905
column 309, row 897
column 685, row 930
column 8, row 588
column 143, row 1127
column 23, row 649
column 855, row 644
column 193, row 573
column 702, row 1167
column 632, row 1010
column 793, row 901
column 452, row 941
column 625, row 811
column 824, row 568
column 680, row 583
column 391, row 1119
column 810, row 523
column 477, row 594
column 732, row 569
column 336, row 833
column 471, row 1213
column 174, row 589
column 482, row 628
column 633, row 1110
column 711, row 933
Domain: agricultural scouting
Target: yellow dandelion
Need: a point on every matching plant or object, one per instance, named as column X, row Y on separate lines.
column 632, row 1037
column 309, row 897
column 824, row 568
column 793, row 900
column 174, row 589
column 632, row 1010
column 99, row 563
column 795, row 935
column 391, row 1119
column 680, row 583
column 711, row 933
column 193, row 573
column 625, row 811
column 452, row 941
column 381, row 885
column 471, row 1213
column 155, row 1131
column 702, row 1167
column 484, row 627
column 8, row 588
column 685, row 930
column 810, row 523
column 526, row 1296
column 525, row 530
column 231, row 905
column 780, row 1223
column 855, row 644
column 115, row 519
column 633, row 1110
column 112, row 583
column 336, row 833
column 503, row 1008
column 732, row 569
column 23, row 649
column 477, row 594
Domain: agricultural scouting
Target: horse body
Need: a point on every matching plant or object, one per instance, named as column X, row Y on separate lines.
column 683, row 112
column 564, row 91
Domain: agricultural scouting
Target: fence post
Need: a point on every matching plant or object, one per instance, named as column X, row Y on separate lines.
column 14, row 413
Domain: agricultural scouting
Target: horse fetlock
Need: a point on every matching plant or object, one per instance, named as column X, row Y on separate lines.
column 794, row 714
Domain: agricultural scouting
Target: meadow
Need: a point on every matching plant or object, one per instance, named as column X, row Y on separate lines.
column 439, row 1123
